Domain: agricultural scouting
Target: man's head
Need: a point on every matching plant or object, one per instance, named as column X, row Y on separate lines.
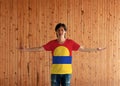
column 60, row 29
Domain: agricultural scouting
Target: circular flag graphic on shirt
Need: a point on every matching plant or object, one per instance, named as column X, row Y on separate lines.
column 61, row 51
column 61, row 61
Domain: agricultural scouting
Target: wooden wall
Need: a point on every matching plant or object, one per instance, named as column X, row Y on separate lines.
column 30, row 23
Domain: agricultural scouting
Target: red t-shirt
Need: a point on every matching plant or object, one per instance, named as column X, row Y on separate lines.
column 62, row 55
column 70, row 44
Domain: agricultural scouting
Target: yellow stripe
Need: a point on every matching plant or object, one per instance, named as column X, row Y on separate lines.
column 61, row 69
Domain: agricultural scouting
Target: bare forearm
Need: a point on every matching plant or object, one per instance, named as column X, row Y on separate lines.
column 33, row 49
column 88, row 49
column 82, row 49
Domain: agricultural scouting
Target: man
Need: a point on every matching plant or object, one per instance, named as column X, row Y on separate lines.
column 61, row 55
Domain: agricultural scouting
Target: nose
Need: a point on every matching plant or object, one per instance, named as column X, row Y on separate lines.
column 61, row 31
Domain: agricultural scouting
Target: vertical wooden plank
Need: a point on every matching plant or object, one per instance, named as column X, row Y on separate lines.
column 38, row 43
column 112, row 13
column 43, row 38
column 32, row 40
column 12, row 48
column 77, row 29
column 101, row 68
column 117, row 14
column 40, row 65
column 116, row 59
column 110, row 38
column 2, row 42
column 62, row 13
column 25, row 66
column 46, row 37
column 5, row 33
column 93, row 39
column 21, row 55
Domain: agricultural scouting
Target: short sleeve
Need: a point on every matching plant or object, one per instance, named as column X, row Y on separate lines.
column 48, row 46
column 75, row 46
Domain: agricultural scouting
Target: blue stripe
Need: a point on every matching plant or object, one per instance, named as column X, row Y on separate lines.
column 62, row 60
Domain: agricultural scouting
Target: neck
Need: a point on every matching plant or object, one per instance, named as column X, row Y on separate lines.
column 61, row 39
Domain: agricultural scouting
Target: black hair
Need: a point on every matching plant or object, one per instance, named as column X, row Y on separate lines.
column 60, row 25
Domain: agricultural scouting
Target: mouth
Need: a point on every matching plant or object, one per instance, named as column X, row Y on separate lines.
column 60, row 34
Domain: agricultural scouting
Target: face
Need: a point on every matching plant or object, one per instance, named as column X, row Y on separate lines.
column 60, row 32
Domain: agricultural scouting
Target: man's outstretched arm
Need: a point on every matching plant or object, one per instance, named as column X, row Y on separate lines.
column 32, row 49
column 82, row 49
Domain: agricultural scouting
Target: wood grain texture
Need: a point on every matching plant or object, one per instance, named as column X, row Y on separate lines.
column 31, row 23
